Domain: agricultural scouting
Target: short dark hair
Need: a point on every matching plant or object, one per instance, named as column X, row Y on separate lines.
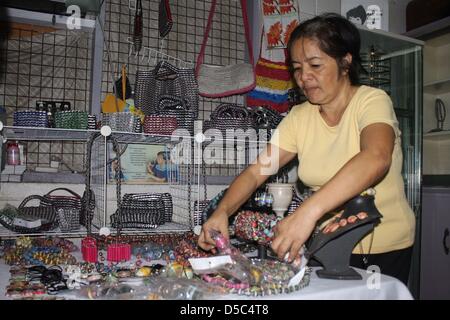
column 165, row 155
column 358, row 12
column 336, row 37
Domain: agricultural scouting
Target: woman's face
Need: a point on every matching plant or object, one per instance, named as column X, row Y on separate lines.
column 315, row 72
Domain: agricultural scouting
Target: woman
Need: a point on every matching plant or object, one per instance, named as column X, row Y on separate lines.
column 347, row 140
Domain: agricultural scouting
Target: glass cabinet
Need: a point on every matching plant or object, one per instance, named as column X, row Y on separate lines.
column 394, row 64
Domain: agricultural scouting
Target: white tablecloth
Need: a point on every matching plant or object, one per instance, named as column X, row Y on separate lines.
column 318, row 289
column 325, row 289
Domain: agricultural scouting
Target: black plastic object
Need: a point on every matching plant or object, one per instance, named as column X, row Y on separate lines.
column 333, row 250
column 165, row 21
column 138, row 27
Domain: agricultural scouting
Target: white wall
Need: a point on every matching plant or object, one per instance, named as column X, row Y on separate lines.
column 397, row 15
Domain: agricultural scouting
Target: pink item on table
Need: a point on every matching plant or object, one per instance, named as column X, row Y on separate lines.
column 118, row 252
column 89, row 249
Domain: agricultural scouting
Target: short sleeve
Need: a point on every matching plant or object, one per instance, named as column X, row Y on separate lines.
column 284, row 136
column 377, row 107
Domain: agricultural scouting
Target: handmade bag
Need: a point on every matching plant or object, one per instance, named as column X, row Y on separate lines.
column 223, row 81
column 165, row 79
column 46, row 214
column 140, row 210
column 73, row 206
column 178, row 108
column 230, row 116
column 273, row 82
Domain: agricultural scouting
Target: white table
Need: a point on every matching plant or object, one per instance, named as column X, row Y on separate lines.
column 318, row 289
column 389, row 288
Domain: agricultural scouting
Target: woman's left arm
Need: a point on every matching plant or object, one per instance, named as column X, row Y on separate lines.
column 362, row 171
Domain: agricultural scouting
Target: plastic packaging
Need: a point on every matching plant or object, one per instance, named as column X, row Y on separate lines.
column 242, row 268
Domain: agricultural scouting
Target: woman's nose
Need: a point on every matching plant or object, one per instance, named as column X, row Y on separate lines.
column 305, row 75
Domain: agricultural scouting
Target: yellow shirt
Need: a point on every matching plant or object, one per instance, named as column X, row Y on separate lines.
column 323, row 150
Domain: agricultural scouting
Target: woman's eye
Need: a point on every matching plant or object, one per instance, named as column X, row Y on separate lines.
column 315, row 66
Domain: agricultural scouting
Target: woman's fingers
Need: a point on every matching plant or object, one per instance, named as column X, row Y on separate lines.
column 281, row 247
column 293, row 253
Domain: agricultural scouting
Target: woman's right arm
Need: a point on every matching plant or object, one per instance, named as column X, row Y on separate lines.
column 267, row 164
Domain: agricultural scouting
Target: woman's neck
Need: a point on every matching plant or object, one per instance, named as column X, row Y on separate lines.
column 332, row 112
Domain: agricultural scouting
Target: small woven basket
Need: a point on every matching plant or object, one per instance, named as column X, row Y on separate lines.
column 122, row 121
column 160, row 125
column 73, row 119
column 31, row 118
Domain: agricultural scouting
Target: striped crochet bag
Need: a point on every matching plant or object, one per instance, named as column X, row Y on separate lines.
column 273, row 81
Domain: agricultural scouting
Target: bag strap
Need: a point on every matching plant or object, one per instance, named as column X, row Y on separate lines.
column 165, row 71
column 201, row 55
column 29, row 198
column 64, row 189
column 168, row 102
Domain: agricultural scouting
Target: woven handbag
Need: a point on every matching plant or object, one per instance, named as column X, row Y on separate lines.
column 231, row 116
column 46, row 214
column 73, row 200
column 178, row 108
column 140, row 210
column 68, row 219
column 165, row 79
column 69, row 204
column 223, row 81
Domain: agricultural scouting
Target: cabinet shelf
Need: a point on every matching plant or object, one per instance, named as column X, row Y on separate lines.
column 437, row 87
column 169, row 227
column 55, row 134
column 437, row 136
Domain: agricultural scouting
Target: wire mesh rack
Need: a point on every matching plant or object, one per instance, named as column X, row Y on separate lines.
column 181, row 184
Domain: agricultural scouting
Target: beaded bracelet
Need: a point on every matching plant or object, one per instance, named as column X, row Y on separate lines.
column 255, row 226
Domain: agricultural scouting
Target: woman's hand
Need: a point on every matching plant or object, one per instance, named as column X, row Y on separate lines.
column 219, row 222
column 291, row 233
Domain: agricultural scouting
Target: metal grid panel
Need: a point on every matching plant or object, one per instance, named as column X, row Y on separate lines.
column 226, row 44
column 47, row 64
column 181, row 186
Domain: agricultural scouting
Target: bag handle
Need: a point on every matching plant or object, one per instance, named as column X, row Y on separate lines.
column 165, row 71
column 172, row 103
column 64, row 189
column 201, row 55
column 29, row 198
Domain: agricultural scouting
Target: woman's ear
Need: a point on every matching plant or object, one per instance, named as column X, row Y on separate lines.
column 346, row 63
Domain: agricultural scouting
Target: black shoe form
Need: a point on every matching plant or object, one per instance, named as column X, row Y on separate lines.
column 333, row 249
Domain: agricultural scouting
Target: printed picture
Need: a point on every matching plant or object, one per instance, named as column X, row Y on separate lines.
column 372, row 14
column 145, row 164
